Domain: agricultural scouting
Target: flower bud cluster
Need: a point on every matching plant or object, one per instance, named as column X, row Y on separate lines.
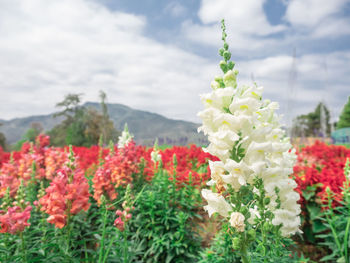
column 237, row 221
column 123, row 217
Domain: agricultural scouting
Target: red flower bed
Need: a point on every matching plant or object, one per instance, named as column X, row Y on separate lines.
column 192, row 160
column 321, row 164
column 39, row 160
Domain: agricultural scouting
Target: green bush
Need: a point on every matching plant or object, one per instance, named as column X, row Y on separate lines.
column 163, row 224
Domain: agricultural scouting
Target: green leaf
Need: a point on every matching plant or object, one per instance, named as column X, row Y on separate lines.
column 314, row 211
column 318, row 226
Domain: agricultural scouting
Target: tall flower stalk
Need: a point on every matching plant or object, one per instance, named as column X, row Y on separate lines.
column 250, row 183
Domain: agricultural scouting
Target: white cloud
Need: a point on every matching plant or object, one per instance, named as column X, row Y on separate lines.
column 250, row 31
column 310, row 13
column 246, row 17
column 51, row 48
column 246, row 24
column 318, row 18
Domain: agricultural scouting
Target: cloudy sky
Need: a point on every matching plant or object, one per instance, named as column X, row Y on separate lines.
column 159, row 55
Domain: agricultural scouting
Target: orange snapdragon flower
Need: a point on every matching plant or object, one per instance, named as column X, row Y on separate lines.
column 54, row 159
column 116, row 171
column 9, row 179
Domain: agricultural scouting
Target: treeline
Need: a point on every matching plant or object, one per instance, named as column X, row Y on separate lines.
column 317, row 123
column 81, row 125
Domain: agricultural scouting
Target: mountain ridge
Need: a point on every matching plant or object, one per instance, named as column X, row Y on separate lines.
column 146, row 126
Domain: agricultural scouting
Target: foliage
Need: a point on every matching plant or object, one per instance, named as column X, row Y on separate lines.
column 344, row 118
column 162, row 226
column 337, row 222
column 222, row 251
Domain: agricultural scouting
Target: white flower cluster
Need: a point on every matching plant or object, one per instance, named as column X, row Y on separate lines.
column 125, row 137
column 245, row 134
column 155, row 155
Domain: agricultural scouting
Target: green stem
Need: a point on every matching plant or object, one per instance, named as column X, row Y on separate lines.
column 110, row 246
column 335, row 236
column 244, row 248
column 125, row 247
column 24, row 253
column 103, row 234
column 85, row 252
column 346, row 238
column 68, row 234
column 68, row 226
column 244, row 255
column 7, row 247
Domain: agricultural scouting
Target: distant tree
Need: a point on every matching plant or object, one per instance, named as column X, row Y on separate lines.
column 344, row 118
column 82, row 126
column 69, row 131
column 105, row 116
column 70, row 106
column 3, row 140
column 107, row 128
column 58, row 135
column 310, row 125
column 75, row 132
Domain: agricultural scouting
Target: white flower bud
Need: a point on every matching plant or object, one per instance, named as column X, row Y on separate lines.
column 237, row 221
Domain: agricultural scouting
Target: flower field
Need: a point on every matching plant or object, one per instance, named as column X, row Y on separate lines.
column 110, row 204
column 248, row 197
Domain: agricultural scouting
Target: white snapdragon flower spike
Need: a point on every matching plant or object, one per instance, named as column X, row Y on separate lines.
column 125, row 137
column 245, row 134
column 155, row 156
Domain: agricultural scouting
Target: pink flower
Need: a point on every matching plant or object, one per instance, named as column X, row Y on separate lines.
column 119, row 223
column 15, row 220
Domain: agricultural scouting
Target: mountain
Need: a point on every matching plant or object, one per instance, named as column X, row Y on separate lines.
column 146, row 126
